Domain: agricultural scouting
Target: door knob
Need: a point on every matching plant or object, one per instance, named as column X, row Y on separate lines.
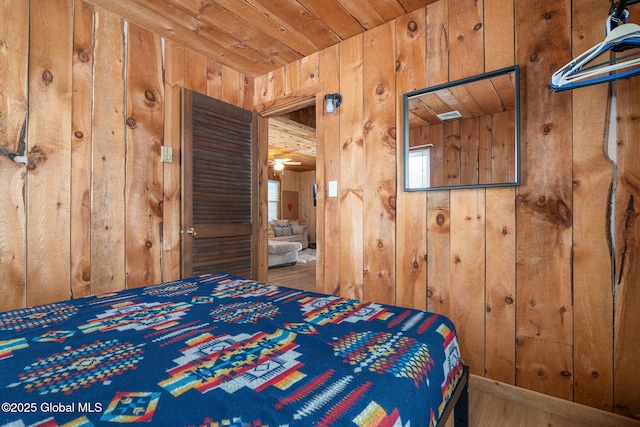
column 191, row 232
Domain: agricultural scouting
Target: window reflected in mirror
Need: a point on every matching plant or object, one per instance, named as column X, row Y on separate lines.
column 463, row 133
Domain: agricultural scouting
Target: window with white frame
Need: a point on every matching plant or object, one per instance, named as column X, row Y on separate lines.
column 273, row 199
column 419, row 170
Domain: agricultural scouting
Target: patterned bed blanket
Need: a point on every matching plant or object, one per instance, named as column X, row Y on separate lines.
column 220, row 350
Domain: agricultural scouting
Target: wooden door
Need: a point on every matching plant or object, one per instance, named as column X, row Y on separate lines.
column 219, row 204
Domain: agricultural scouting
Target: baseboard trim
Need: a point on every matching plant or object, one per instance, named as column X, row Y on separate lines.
column 575, row 411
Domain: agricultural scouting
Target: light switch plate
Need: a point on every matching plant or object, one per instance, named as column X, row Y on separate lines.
column 333, row 189
column 167, row 154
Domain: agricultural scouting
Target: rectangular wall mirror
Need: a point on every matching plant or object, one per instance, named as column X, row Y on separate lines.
column 464, row 134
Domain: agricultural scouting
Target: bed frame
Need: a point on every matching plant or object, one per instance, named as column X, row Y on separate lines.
column 459, row 403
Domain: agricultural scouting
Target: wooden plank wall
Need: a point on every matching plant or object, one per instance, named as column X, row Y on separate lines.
column 81, row 149
column 592, row 177
column 49, row 148
column 95, row 210
column 145, row 132
column 411, row 230
column 13, row 122
column 526, row 273
column 544, row 209
column 626, row 392
column 328, row 160
column 351, row 178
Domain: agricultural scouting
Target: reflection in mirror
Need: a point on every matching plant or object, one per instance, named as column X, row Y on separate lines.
column 464, row 133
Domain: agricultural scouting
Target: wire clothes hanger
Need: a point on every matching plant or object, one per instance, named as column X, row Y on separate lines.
column 585, row 70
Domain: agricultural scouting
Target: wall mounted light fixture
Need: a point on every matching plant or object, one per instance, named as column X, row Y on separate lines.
column 331, row 102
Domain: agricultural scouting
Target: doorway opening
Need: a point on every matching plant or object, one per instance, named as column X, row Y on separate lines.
column 291, row 198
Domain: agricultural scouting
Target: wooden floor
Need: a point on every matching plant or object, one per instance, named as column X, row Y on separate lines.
column 487, row 410
column 300, row 276
column 493, row 404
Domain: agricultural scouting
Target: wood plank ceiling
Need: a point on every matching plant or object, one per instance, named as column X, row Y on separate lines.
column 293, row 140
column 258, row 36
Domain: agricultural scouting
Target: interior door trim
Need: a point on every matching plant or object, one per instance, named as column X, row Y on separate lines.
column 187, row 179
column 293, row 101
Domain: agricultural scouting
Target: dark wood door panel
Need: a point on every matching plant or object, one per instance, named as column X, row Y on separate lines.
column 219, row 203
column 231, row 254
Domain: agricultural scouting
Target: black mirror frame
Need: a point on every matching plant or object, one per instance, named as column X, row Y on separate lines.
column 405, row 119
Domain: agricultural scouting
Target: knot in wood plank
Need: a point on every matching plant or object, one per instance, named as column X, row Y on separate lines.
column 392, row 204
column 564, row 213
column 36, row 157
column 391, row 132
column 47, row 77
column 541, row 372
column 566, row 374
column 439, row 221
column 157, row 207
column 149, row 95
column 522, row 198
column 83, row 55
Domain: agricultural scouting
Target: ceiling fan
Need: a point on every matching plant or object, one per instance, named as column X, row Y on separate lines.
column 279, row 162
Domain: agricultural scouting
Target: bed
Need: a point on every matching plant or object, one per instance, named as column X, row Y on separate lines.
column 220, row 350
